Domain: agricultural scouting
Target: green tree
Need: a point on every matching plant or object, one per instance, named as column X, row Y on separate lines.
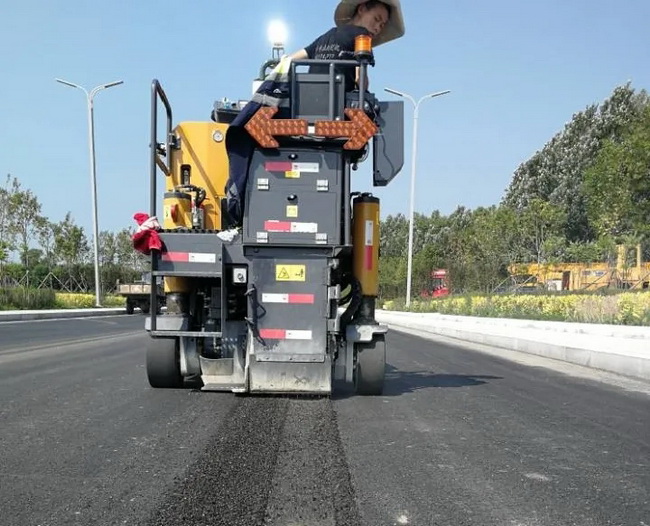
column 70, row 242
column 107, row 248
column 617, row 185
column 126, row 255
column 31, row 258
column 26, row 215
column 540, row 227
column 556, row 172
column 494, row 241
column 393, row 232
column 7, row 230
column 46, row 240
column 392, row 277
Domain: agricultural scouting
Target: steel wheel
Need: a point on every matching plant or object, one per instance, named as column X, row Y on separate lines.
column 370, row 366
column 163, row 363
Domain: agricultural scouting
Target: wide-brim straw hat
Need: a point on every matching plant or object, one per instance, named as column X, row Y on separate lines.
column 393, row 29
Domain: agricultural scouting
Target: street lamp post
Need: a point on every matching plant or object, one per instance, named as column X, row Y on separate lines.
column 416, row 108
column 93, row 174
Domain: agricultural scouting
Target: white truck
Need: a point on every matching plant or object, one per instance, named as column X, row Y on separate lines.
column 138, row 294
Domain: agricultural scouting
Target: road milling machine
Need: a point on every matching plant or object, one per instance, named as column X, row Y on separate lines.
column 281, row 299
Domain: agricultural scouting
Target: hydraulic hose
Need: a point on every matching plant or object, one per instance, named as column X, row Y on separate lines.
column 355, row 303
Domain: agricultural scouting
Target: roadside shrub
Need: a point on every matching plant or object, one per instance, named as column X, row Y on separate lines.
column 627, row 308
column 19, row 298
column 114, row 301
column 67, row 300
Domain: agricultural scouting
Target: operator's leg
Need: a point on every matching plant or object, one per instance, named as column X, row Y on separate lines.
column 239, row 146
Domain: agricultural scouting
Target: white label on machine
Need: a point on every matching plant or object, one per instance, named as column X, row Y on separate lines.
column 275, row 298
column 370, row 231
column 298, row 335
column 199, row 257
column 291, row 299
column 305, row 167
column 304, row 228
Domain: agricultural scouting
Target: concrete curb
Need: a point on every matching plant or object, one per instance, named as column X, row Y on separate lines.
column 27, row 315
column 617, row 349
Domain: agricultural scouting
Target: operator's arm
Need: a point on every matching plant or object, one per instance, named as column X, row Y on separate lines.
column 356, row 78
column 300, row 55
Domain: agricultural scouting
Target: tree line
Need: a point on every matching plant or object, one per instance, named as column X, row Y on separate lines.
column 35, row 251
column 585, row 192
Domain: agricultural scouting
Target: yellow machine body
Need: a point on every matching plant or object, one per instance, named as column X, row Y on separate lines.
column 176, row 284
column 177, row 210
column 202, row 149
column 365, row 243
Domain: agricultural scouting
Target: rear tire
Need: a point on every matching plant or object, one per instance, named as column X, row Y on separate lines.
column 129, row 306
column 144, row 307
column 163, row 363
column 370, row 367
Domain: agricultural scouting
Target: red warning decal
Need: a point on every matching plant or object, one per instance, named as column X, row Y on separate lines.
column 277, row 166
column 368, row 258
column 277, row 226
column 273, row 334
column 176, row 257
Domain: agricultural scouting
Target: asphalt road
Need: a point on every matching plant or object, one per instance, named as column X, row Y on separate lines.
column 460, row 438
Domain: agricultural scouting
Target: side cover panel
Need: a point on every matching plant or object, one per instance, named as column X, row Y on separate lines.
column 290, row 308
column 190, row 254
column 388, row 144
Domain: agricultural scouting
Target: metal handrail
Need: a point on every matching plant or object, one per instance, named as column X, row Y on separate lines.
column 157, row 93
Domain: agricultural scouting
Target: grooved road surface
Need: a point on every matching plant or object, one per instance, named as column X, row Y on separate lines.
column 460, row 438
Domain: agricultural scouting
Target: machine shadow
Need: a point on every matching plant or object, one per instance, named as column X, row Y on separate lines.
column 399, row 382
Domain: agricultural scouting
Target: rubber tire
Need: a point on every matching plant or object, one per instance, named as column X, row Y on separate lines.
column 145, row 307
column 163, row 363
column 370, row 368
column 129, row 307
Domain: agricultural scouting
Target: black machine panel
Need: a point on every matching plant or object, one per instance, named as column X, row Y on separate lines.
column 294, row 197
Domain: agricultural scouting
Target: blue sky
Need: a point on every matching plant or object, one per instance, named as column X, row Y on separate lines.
column 517, row 70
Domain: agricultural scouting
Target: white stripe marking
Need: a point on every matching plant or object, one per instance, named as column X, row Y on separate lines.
column 304, row 228
column 199, row 257
column 275, row 298
column 370, row 227
column 305, row 167
column 298, row 335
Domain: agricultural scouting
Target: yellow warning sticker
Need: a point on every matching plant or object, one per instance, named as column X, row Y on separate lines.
column 290, row 272
column 292, row 210
column 292, row 174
